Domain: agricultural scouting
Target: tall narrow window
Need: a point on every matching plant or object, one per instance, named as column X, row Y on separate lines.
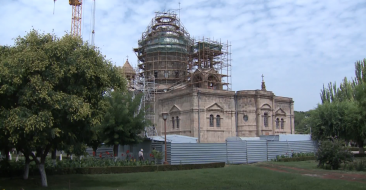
column 156, row 74
column 176, row 74
column 211, row 120
column 218, row 121
column 177, row 122
column 265, row 120
column 173, row 122
column 282, row 123
column 277, row 123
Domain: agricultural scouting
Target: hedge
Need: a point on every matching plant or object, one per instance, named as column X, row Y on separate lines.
column 112, row 170
column 296, row 159
column 359, row 155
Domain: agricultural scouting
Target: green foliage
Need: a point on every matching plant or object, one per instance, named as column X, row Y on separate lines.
column 342, row 111
column 332, row 153
column 358, row 165
column 295, row 156
column 301, row 122
column 123, row 121
column 157, row 155
column 51, row 91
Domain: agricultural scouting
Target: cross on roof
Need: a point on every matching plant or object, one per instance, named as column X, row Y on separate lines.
column 262, row 77
column 127, row 57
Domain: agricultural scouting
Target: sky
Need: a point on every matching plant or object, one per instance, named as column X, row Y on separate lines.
column 298, row 45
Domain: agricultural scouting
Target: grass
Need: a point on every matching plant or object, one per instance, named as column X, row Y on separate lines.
column 229, row 177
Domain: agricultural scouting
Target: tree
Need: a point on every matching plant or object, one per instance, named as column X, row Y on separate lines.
column 51, row 91
column 342, row 112
column 301, row 122
column 123, row 120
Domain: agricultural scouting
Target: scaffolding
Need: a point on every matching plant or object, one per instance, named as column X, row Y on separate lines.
column 210, row 64
column 169, row 59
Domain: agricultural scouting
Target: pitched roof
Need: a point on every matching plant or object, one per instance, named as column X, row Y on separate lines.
column 127, row 68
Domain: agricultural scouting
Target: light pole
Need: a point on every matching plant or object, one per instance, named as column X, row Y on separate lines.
column 165, row 116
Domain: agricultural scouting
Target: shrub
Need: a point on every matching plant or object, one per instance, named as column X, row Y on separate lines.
column 333, row 153
column 157, row 155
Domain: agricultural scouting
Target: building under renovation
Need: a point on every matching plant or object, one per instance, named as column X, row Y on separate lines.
column 190, row 79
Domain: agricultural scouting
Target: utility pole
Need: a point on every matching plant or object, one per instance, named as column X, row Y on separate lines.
column 199, row 126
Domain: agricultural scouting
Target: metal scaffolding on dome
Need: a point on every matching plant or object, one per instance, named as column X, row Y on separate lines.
column 168, row 59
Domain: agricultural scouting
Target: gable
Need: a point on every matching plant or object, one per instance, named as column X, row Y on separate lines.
column 215, row 107
column 175, row 108
column 280, row 112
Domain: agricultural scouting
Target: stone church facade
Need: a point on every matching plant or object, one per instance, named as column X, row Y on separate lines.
column 221, row 114
column 186, row 79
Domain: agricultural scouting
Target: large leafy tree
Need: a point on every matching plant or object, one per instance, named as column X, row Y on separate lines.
column 50, row 93
column 342, row 112
column 123, row 121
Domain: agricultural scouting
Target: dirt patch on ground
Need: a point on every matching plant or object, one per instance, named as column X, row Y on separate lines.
column 325, row 174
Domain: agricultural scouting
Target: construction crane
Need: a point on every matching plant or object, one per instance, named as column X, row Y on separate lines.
column 76, row 17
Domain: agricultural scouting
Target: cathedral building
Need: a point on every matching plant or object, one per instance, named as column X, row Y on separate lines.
column 189, row 80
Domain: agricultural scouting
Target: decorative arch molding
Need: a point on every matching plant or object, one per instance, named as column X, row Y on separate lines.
column 266, row 107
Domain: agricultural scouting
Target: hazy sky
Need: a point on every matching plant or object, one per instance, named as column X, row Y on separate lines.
column 298, row 45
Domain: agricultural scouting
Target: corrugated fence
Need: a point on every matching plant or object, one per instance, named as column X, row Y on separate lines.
column 197, row 153
column 235, row 151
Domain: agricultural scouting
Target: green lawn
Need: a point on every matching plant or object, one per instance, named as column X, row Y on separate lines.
column 229, row 177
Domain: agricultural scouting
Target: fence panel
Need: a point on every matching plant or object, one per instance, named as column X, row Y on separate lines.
column 277, row 148
column 200, row 153
column 288, row 147
column 236, row 152
column 257, row 151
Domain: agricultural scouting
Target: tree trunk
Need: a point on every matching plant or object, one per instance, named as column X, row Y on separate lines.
column 42, row 171
column 26, row 168
column 53, row 156
column 7, row 152
column 115, row 150
column 360, row 146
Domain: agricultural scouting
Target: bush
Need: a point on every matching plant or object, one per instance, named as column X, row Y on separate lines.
column 359, row 155
column 358, row 165
column 332, row 153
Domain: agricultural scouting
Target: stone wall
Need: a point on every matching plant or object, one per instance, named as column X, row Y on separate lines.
column 217, row 109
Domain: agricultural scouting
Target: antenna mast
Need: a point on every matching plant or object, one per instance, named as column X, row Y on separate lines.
column 76, row 17
column 93, row 25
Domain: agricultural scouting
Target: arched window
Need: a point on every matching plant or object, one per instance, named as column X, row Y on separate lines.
column 282, row 123
column 177, row 122
column 265, row 120
column 218, row 121
column 211, row 120
column 277, row 123
column 173, row 122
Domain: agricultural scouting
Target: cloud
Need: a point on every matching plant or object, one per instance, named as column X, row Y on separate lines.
column 297, row 45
